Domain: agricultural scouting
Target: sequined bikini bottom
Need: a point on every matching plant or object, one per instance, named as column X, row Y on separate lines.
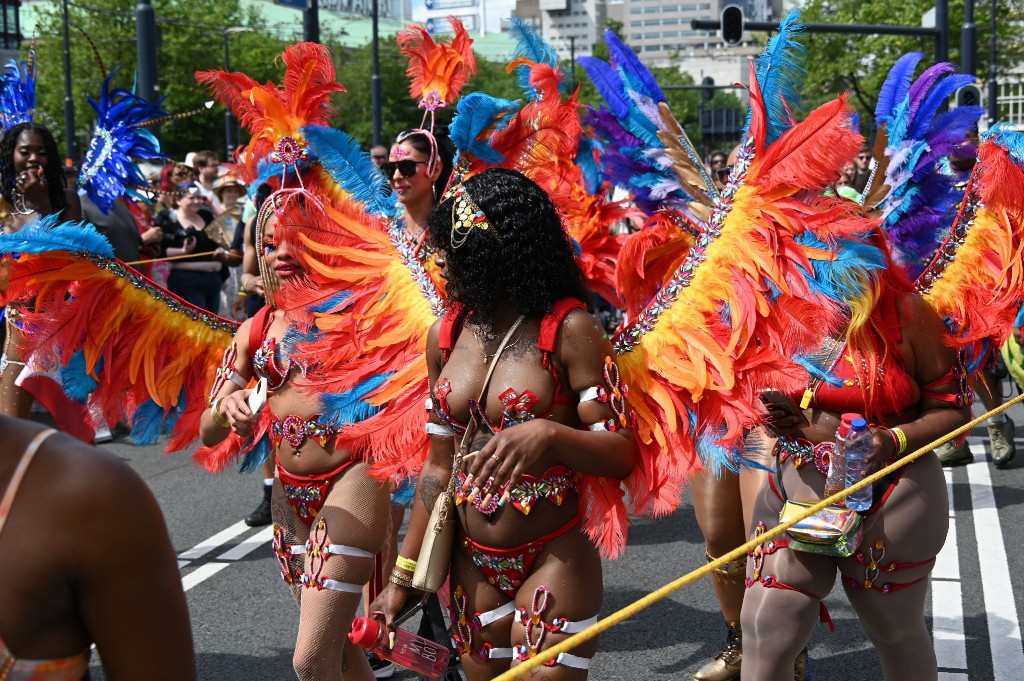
column 507, row 569
column 306, row 494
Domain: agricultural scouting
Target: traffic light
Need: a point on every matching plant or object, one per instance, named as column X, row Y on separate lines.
column 709, row 88
column 968, row 95
column 732, row 24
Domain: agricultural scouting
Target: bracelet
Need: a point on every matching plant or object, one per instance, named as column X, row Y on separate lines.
column 401, row 580
column 901, row 440
column 405, row 564
column 218, row 418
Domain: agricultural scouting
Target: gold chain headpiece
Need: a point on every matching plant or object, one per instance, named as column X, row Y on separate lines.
column 467, row 216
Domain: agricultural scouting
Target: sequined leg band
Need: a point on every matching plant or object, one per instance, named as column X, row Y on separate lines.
column 463, row 627
column 536, row 629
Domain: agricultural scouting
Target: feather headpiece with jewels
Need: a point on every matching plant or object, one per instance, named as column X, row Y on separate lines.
column 275, row 114
column 437, row 71
column 18, row 91
column 109, row 170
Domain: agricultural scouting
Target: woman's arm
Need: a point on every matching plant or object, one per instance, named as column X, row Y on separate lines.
column 433, row 480
column 73, row 209
column 587, row 356
column 230, row 400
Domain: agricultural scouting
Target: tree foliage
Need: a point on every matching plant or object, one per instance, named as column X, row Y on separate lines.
column 859, row 64
column 191, row 38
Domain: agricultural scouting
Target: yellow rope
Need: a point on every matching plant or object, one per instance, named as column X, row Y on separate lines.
column 169, row 257
column 650, row 599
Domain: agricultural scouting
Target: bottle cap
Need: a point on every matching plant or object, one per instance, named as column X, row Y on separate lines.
column 365, row 632
column 844, row 424
column 858, row 424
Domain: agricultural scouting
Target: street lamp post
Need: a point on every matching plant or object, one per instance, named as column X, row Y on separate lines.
column 70, row 145
column 375, row 101
column 229, row 119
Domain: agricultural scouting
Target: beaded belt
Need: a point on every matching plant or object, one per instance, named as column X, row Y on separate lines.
column 294, row 430
column 804, row 452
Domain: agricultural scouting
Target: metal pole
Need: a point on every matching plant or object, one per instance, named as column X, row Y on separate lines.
column 70, row 146
column 145, row 26
column 969, row 41
column 942, row 26
column 993, row 90
column 572, row 57
column 311, row 22
column 378, row 133
column 229, row 120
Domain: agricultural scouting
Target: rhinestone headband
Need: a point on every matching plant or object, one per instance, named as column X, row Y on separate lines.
column 467, row 216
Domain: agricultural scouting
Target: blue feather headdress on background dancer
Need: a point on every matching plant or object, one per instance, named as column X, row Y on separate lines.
column 18, row 91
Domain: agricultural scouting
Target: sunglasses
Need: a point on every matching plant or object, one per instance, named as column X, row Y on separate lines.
column 406, row 166
column 723, row 174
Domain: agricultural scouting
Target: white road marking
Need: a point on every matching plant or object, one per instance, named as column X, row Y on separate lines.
column 222, row 537
column 204, row 572
column 947, row 598
column 1000, row 607
column 953, row 676
column 249, row 545
column 201, row 573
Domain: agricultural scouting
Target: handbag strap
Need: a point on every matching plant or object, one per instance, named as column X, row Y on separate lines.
column 467, row 437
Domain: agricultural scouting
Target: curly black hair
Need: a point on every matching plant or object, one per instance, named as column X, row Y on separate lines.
column 524, row 257
column 53, row 171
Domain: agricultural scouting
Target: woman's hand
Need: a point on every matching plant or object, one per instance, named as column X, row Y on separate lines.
column 235, row 408
column 781, row 421
column 883, row 447
column 388, row 604
column 189, row 245
column 508, row 455
column 32, row 185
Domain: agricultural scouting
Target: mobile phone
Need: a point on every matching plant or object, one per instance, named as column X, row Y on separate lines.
column 780, row 400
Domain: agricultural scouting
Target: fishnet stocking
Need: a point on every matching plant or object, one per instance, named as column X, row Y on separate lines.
column 356, row 513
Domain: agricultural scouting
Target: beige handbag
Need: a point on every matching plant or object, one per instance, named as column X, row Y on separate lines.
column 436, row 550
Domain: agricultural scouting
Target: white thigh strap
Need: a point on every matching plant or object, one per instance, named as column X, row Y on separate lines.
column 600, row 425
column 483, row 619
column 590, row 393
column 498, row 653
column 568, row 627
column 335, row 585
column 342, row 550
column 570, row 660
column 295, row 549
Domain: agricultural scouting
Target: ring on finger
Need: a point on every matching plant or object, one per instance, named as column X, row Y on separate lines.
column 495, row 458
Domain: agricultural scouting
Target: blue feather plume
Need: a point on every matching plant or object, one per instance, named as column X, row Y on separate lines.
column 17, row 92
column 531, row 45
column 608, row 84
column 896, row 86
column 76, row 381
column 631, row 69
column 477, row 113
column 47, row 234
column 780, row 75
column 350, row 406
column 352, row 168
column 150, row 421
column 940, row 92
column 255, row 457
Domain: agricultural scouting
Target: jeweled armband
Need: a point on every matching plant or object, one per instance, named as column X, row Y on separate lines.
column 614, row 393
column 226, row 372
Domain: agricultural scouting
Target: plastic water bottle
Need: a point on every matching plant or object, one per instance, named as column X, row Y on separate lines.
column 411, row 651
column 835, row 481
column 858, row 444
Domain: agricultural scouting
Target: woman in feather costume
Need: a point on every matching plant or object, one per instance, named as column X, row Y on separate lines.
column 905, row 362
column 553, row 413
column 330, row 517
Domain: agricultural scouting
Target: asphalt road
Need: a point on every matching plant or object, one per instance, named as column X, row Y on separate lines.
column 244, row 620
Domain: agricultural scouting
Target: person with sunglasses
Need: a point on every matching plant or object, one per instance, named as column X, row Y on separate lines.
column 413, row 171
column 196, row 279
